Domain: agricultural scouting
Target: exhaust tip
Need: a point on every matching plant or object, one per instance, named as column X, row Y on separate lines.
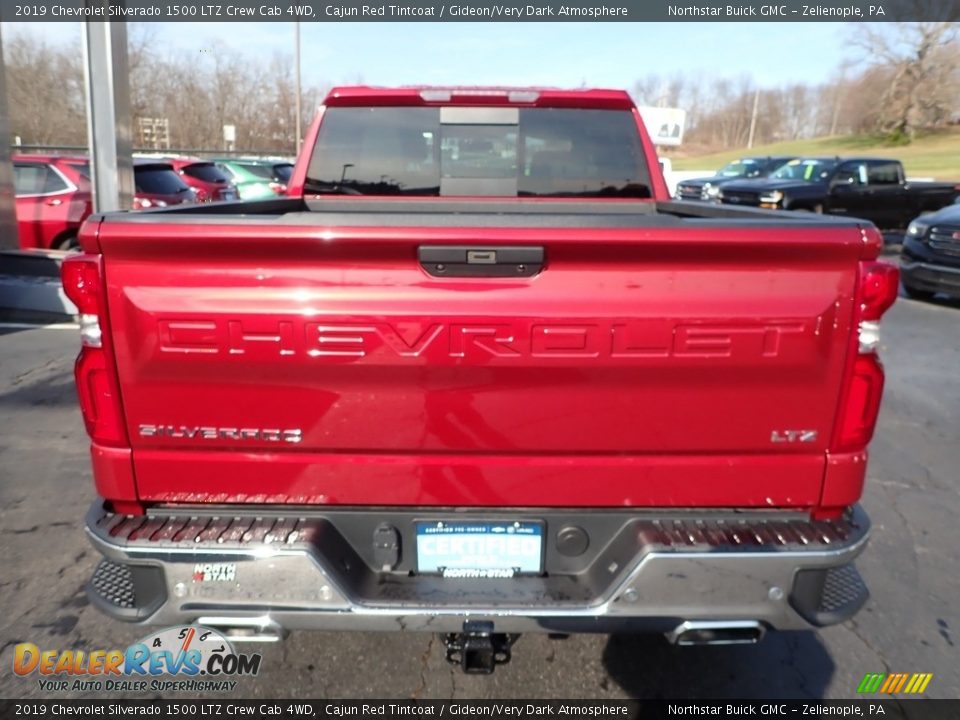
column 250, row 629
column 717, row 632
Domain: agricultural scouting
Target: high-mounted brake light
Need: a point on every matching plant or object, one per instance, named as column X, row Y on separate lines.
column 877, row 290
column 435, row 95
column 523, row 96
column 447, row 94
column 97, row 387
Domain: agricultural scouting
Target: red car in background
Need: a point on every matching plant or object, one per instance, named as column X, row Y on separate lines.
column 210, row 182
column 156, row 183
column 54, row 195
column 53, row 199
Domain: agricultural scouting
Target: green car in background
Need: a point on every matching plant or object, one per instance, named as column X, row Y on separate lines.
column 257, row 179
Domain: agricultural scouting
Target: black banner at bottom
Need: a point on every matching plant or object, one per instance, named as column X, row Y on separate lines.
column 214, row 708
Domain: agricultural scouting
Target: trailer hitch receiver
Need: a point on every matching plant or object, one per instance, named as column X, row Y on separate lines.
column 478, row 649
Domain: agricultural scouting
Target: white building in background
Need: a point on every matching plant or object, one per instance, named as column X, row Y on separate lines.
column 664, row 124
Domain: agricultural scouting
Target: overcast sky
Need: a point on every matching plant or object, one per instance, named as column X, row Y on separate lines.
column 556, row 54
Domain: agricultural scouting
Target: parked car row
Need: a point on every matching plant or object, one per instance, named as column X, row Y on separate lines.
column 54, row 192
column 242, row 178
column 747, row 168
column 875, row 189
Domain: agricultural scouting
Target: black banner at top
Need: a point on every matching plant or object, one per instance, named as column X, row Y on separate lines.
column 502, row 11
column 213, row 706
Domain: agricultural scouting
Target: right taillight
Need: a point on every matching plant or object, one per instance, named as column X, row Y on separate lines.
column 861, row 404
column 97, row 388
column 878, row 285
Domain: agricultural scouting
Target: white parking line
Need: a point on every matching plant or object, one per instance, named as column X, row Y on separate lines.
column 35, row 326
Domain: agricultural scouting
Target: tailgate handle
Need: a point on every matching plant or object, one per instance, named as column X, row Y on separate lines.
column 471, row 261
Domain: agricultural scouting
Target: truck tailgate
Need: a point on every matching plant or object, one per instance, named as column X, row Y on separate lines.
column 264, row 362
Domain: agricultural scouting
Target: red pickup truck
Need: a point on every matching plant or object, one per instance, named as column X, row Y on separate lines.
column 478, row 375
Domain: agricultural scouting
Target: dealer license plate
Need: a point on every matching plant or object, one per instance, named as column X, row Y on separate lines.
column 481, row 549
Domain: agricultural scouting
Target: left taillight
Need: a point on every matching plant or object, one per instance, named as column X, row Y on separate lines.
column 97, row 386
column 82, row 281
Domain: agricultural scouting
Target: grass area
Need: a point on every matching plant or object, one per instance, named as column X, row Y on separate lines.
column 934, row 155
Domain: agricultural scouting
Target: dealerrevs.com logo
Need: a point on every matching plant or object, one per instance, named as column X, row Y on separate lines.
column 185, row 658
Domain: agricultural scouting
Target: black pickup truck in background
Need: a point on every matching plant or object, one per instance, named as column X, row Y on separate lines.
column 870, row 188
column 747, row 168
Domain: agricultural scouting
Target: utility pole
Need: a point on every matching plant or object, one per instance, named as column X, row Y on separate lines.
column 296, row 52
column 836, row 106
column 8, row 206
column 109, row 128
column 753, row 117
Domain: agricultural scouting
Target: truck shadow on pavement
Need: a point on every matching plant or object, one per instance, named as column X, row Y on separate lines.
column 782, row 665
column 45, row 390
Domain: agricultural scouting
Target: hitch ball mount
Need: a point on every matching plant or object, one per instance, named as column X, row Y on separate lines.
column 478, row 649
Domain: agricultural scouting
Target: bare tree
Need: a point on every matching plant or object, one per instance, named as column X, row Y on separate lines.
column 45, row 92
column 922, row 61
column 198, row 93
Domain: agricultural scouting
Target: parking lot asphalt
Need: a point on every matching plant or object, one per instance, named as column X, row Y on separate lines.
column 911, row 623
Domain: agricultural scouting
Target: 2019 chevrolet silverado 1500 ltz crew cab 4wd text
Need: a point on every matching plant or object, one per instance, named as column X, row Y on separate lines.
column 478, row 375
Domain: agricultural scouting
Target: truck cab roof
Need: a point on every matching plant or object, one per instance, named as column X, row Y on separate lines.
column 596, row 99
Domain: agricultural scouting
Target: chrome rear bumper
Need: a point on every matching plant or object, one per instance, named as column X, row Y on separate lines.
column 278, row 570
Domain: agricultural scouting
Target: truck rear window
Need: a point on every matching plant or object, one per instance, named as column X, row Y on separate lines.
column 482, row 151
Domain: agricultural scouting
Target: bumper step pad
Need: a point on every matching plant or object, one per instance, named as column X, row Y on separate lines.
column 127, row 591
column 825, row 597
column 114, row 583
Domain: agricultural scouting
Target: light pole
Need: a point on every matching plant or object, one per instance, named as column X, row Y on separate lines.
column 8, row 208
column 109, row 130
column 296, row 52
column 753, row 117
